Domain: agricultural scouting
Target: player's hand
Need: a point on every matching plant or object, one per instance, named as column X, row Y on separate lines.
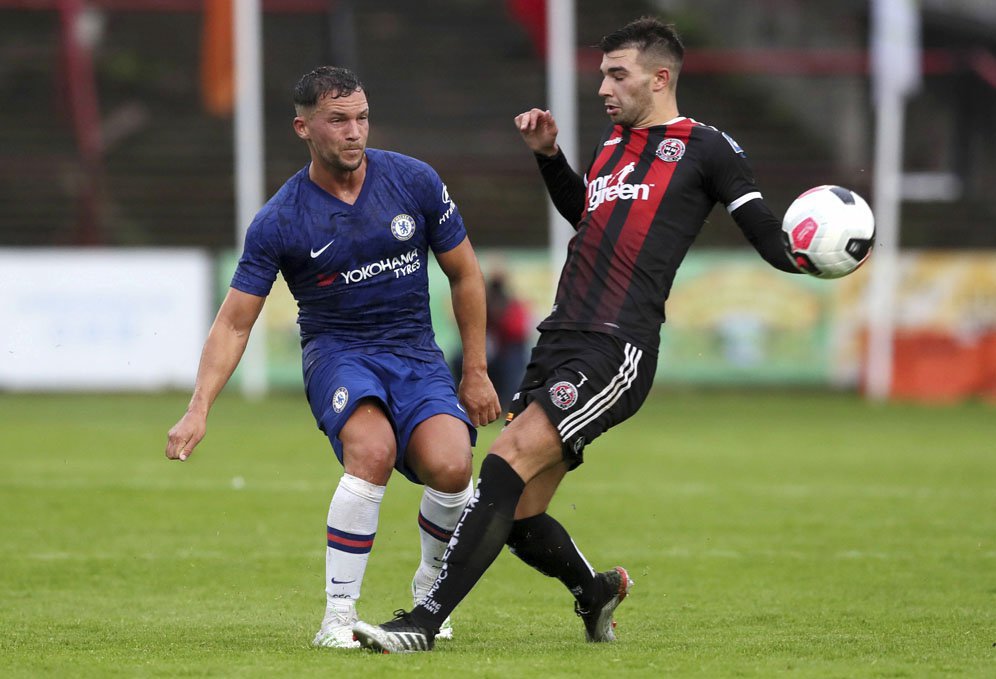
column 478, row 396
column 185, row 435
column 538, row 130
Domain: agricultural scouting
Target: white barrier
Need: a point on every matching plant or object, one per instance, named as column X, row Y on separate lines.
column 103, row 319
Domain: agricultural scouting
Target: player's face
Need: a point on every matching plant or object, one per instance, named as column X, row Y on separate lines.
column 626, row 88
column 336, row 131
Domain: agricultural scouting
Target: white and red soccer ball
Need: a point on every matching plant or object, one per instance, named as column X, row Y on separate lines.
column 829, row 231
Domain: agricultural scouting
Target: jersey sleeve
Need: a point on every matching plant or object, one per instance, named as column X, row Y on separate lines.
column 764, row 232
column 565, row 186
column 730, row 179
column 731, row 183
column 442, row 217
column 260, row 261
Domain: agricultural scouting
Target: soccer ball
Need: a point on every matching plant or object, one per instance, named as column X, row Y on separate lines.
column 828, row 231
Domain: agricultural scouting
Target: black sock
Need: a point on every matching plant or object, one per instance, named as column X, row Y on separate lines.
column 541, row 542
column 477, row 540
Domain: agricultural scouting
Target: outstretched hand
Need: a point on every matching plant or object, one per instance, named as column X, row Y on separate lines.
column 478, row 396
column 185, row 435
column 538, row 130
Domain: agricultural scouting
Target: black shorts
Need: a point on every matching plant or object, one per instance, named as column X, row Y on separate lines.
column 586, row 383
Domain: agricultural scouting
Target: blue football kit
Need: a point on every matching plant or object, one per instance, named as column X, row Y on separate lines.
column 359, row 274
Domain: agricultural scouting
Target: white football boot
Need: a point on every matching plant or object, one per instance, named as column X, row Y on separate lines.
column 337, row 630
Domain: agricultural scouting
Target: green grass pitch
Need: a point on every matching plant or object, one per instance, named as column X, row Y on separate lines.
column 769, row 534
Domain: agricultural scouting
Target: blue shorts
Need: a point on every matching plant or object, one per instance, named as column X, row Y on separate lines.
column 411, row 391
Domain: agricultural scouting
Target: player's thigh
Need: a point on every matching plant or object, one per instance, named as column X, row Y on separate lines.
column 434, row 433
column 529, row 443
column 336, row 384
column 439, row 453
column 368, row 443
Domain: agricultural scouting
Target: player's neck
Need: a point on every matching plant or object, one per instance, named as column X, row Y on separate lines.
column 664, row 109
column 343, row 184
column 661, row 115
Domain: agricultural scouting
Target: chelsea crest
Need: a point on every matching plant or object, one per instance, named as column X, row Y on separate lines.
column 403, row 227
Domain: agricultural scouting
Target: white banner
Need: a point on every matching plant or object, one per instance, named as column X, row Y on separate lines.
column 121, row 319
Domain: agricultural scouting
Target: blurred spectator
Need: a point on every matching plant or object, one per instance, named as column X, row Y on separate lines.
column 508, row 337
column 531, row 16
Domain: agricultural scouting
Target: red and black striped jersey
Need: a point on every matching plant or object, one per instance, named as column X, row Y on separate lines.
column 647, row 194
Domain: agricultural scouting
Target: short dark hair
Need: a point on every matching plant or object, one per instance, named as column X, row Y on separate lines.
column 325, row 81
column 651, row 37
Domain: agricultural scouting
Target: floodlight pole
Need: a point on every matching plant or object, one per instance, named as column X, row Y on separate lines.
column 885, row 262
column 895, row 52
column 561, row 93
column 249, row 180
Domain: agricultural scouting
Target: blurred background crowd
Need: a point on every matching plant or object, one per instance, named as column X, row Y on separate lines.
column 116, row 122
column 116, row 129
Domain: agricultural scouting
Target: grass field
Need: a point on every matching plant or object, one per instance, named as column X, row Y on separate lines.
column 770, row 534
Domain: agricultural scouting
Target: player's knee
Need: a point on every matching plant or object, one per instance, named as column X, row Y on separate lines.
column 371, row 461
column 448, row 474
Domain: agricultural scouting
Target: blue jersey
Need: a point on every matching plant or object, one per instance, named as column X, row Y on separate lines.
column 358, row 272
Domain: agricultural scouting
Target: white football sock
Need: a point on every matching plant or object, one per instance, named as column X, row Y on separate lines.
column 352, row 525
column 437, row 517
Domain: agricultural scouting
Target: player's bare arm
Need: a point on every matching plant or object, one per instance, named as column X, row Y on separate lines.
column 222, row 352
column 467, row 292
column 539, row 131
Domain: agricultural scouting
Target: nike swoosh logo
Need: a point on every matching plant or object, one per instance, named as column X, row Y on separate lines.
column 341, row 582
column 315, row 253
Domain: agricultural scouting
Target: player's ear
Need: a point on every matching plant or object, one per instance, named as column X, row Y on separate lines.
column 300, row 127
column 662, row 79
